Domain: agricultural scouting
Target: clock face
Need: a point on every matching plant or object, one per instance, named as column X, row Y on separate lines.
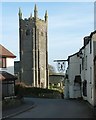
column 61, row 66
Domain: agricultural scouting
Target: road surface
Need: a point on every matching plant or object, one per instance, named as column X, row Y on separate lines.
column 57, row 108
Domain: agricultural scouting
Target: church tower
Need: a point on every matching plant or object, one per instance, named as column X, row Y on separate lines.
column 33, row 50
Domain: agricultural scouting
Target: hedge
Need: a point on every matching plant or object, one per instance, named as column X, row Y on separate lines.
column 36, row 92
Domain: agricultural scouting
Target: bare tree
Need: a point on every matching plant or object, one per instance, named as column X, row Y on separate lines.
column 51, row 70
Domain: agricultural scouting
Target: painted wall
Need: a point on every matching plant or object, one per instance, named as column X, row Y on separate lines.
column 87, row 73
column 74, row 69
column 88, row 70
column 9, row 66
column 94, row 76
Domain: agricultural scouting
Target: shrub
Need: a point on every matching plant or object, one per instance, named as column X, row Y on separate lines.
column 23, row 90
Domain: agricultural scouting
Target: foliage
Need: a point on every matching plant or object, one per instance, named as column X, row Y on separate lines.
column 54, row 87
column 26, row 91
column 51, row 70
column 11, row 103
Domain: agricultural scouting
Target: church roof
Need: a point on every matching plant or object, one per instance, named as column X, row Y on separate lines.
column 6, row 53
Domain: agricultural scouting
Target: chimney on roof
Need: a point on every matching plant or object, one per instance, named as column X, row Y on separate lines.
column 86, row 40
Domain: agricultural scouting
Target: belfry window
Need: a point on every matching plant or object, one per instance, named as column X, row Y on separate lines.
column 28, row 32
column 42, row 34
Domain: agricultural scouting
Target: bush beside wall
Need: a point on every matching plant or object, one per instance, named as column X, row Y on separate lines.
column 26, row 91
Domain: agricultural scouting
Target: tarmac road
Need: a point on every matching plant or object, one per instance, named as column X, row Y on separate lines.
column 57, row 108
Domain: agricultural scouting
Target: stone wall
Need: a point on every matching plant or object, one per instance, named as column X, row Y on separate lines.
column 33, row 52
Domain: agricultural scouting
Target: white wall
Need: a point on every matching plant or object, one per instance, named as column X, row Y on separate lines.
column 74, row 69
column 87, row 74
column 94, row 76
column 9, row 66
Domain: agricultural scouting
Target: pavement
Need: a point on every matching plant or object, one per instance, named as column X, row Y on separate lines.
column 27, row 105
column 94, row 109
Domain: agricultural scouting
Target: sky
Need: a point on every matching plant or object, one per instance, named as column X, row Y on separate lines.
column 68, row 24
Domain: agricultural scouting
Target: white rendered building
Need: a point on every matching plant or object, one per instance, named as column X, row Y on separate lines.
column 6, row 60
column 82, row 71
column 7, row 77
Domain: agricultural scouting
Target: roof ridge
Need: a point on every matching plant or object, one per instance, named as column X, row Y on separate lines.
column 5, row 52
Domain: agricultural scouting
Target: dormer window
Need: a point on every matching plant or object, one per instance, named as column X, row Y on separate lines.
column 2, row 62
column 27, row 32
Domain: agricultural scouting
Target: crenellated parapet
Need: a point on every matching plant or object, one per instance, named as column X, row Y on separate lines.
column 35, row 17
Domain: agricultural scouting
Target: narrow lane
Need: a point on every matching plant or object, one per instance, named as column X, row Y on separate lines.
column 57, row 108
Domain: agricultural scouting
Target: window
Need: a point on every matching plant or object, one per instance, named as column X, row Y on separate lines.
column 28, row 32
column 86, row 63
column 82, row 63
column 2, row 62
column 90, row 46
column 90, row 75
column 42, row 34
column 91, row 93
column 85, row 87
column 80, row 68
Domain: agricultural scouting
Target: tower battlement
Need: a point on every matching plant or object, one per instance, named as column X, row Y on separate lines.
column 35, row 17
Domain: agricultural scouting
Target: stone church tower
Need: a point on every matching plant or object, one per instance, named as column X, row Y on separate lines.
column 33, row 50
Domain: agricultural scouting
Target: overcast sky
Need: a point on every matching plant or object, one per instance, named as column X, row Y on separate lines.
column 68, row 24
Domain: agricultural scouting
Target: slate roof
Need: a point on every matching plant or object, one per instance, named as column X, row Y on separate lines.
column 6, row 53
column 6, row 76
column 56, row 78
